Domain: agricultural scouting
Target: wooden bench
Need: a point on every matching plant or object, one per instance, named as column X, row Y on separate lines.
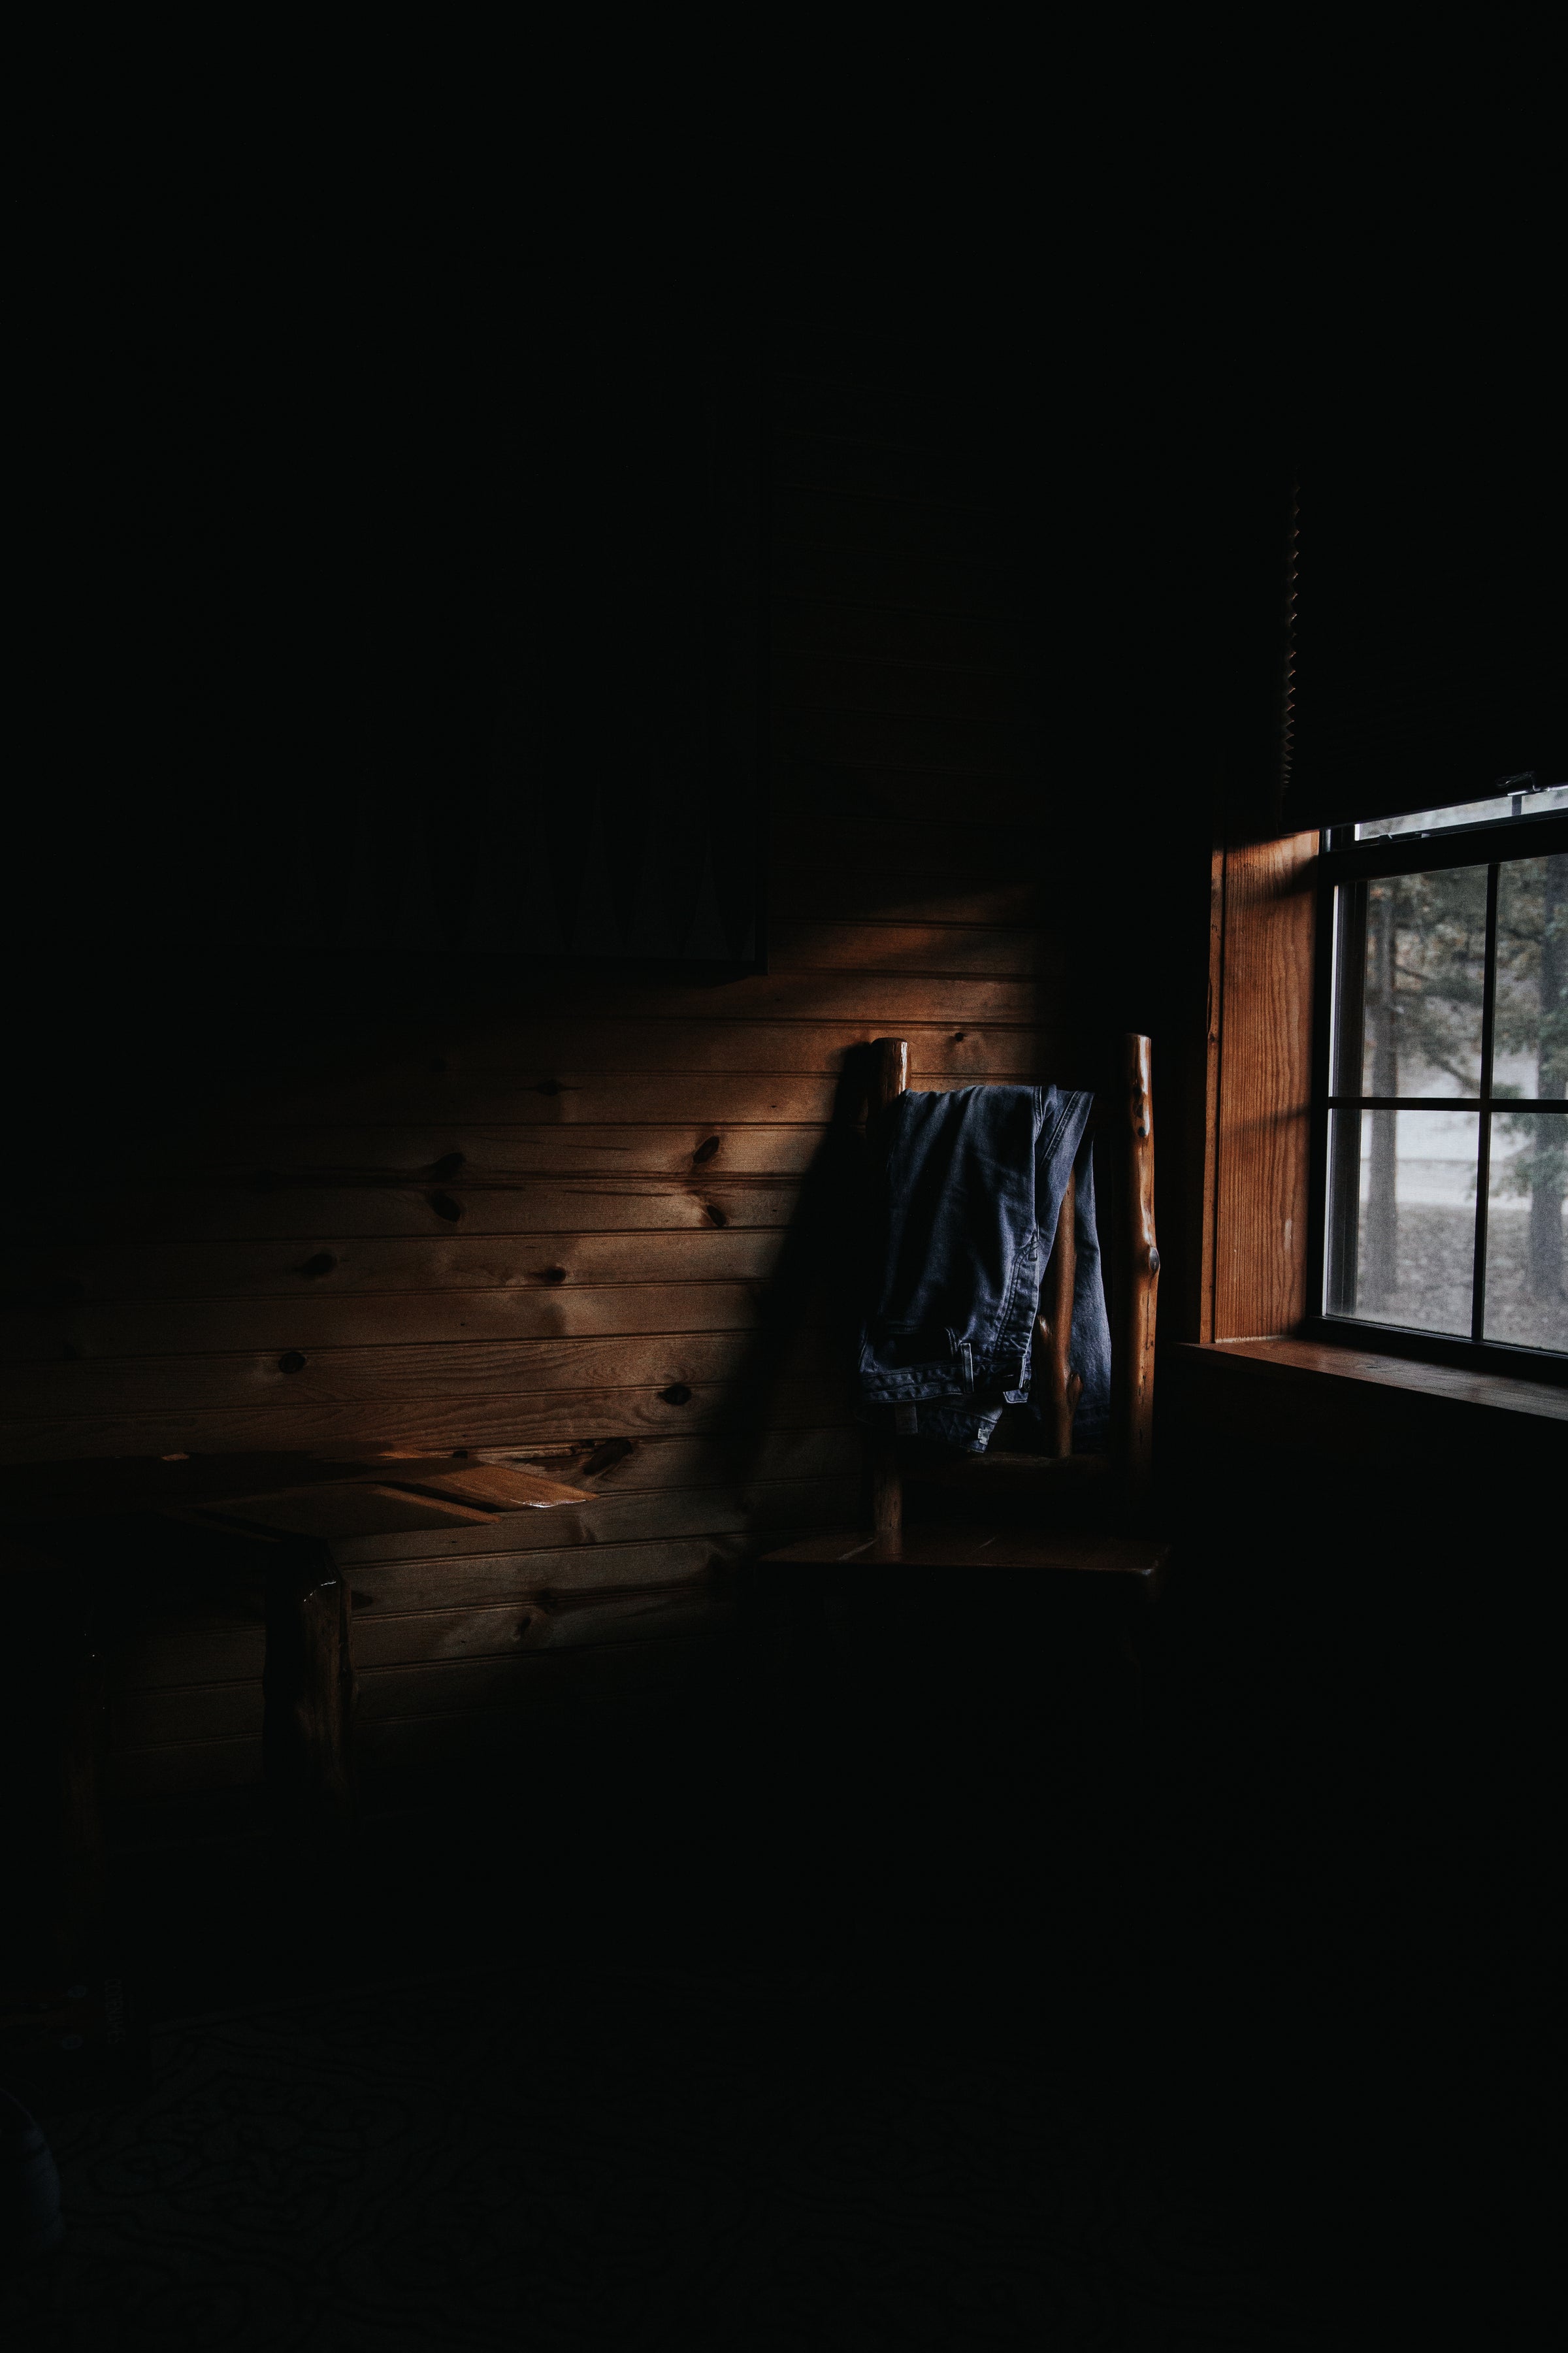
column 295, row 1508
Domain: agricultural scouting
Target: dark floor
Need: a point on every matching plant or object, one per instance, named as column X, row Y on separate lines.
column 922, row 2010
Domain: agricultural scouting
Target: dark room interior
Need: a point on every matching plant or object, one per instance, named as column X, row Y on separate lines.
column 506, row 839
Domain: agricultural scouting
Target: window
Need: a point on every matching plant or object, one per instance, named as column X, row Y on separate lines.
column 1442, row 1127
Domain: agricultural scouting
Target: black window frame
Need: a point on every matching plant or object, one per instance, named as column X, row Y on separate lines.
column 1343, row 859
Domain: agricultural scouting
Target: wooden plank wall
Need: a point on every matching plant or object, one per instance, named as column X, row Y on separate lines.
column 551, row 1232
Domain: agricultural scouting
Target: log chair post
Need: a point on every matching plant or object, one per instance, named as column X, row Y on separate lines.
column 307, row 1688
column 1138, row 1285
column 890, row 1077
column 1053, row 1327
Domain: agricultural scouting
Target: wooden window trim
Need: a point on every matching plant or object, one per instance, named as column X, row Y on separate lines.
column 1539, row 1401
column 1258, row 1089
column 1263, row 1144
column 1491, row 845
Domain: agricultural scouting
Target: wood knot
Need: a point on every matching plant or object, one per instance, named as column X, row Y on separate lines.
column 705, row 1151
column 1153, row 1261
column 445, row 1206
column 714, row 1215
column 548, row 1087
column 323, row 1263
column 554, row 1274
column 446, row 1167
column 291, row 1361
column 675, row 1393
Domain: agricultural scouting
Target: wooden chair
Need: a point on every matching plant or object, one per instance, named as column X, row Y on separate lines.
column 1058, row 1513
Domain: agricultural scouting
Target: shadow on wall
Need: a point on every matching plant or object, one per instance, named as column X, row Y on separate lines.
column 821, row 1264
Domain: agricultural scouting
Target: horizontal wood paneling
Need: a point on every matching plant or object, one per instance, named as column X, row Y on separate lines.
column 386, row 1263
column 314, row 1322
column 864, row 996
column 547, row 1230
column 707, row 1459
column 935, row 948
column 664, row 1533
column 583, row 1543
column 569, row 1098
column 917, row 896
column 492, row 1368
column 275, row 1209
column 442, row 1637
column 498, row 1155
column 716, row 1100
column 478, row 1421
column 734, row 1044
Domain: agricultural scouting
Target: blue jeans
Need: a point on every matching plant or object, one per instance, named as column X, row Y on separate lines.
column 967, row 1188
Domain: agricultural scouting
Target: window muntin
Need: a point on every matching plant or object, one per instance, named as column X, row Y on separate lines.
column 1447, row 1142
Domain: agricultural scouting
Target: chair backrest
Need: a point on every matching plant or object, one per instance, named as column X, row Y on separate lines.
column 1127, row 1238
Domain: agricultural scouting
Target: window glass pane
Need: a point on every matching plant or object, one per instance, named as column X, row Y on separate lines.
column 1402, row 1217
column 1410, row 968
column 1526, row 1302
column 1528, row 801
column 1531, row 1048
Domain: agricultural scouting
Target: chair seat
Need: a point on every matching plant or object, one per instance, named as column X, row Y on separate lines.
column 1076, row 1550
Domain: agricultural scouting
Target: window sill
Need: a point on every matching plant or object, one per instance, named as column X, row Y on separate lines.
column 1310, row 1362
